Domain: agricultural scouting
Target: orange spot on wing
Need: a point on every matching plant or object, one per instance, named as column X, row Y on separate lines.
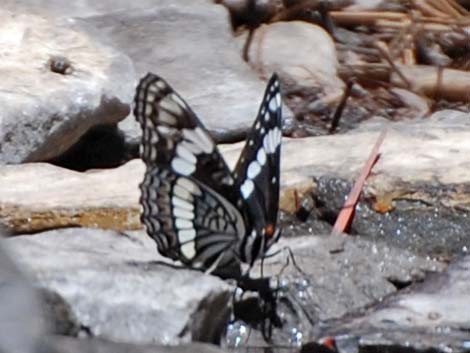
column 269, row 230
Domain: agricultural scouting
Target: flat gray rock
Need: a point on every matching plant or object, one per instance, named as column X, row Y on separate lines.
column 341, row 275
column 430, row 316
column 57, row 82
column 57, row 344
column 21, row 323
column 36, row 197
column 118, row 290
column 190, row 44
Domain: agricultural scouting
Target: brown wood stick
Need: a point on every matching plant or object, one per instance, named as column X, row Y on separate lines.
column 382, row 47
column 462, row 10
column 444, row 6
column 365, row 17
column 451, row 84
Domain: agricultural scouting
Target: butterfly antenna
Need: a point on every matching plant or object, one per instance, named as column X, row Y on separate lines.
column 292, row 257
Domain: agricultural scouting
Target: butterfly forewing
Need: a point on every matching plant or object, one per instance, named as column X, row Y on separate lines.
column 174, row 138
column 257, row 171
column 188, row 192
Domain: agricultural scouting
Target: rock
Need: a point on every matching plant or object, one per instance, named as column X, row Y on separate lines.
column 422, row 173
column 57, row 83
column 190, row 44
column 342, row 275
column 57, row 344
column 250, row 13
column 103, row 146
column 118, row 291
column 58, row 314
column 417, row 195
column 428, row 317
column 314, row 62
column 41, row 196
column 21, row 322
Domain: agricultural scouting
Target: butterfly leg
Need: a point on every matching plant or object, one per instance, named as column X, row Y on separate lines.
column 262, row 310
column 289, row 258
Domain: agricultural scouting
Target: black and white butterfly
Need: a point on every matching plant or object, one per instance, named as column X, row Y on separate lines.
column 196, row 209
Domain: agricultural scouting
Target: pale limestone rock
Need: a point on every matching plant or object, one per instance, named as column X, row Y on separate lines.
column 45, row 110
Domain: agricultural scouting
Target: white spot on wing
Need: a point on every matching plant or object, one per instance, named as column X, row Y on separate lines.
column 272, row 105
column 261, row 156
column 182, row 203
column 199, row 138
column 205, row 141
column 148, row 109
column 272, row 140
column 195, row 149
column 188, row 250
column 182, row 166
column 189, row 185
column 182, row 193
column 186, row 154
column 166, row 118
column 171, row 106
column 278, row 99
column 182, row 213
column 253, row 170
column 266, row 142
column 186, row 235
column 178, row 100
column 183, row 224
column 160, row 84
column 247, row 188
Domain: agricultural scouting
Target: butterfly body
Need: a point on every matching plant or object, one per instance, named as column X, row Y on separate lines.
column 196, row 209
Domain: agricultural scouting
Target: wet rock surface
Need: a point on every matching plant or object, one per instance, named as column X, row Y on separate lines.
column 428, row 317
column 338, row 275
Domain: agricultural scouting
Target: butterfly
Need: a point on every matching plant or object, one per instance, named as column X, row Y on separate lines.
column 196, row 209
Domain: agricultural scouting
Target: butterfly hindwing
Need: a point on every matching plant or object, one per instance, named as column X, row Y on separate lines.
column 189, row 221
column 257, row 171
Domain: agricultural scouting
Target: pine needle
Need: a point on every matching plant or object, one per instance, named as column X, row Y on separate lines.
column 346, row 214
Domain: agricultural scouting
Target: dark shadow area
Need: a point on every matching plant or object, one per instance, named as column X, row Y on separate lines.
column 103, row 146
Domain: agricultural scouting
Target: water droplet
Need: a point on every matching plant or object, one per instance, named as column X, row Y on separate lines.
column 301, row 286
column 283, row 286
column 296, row 336
column 236, row 334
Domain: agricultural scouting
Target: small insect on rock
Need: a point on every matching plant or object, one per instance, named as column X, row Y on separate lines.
column 196, row 209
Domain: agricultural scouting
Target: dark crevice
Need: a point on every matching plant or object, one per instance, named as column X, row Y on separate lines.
column 399, row 283
column 103, row 146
